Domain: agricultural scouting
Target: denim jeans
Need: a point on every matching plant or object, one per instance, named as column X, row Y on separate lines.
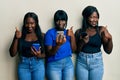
column 89, row 66
column 31, row 69
column 60, row 69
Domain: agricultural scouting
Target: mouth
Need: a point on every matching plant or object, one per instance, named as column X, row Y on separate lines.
column 29, row 30
column 93, row 23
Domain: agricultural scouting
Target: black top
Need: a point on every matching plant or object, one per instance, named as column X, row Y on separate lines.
column 94, row 44
column 25, row 48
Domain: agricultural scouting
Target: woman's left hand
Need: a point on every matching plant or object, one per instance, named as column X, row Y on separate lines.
column 35, row 52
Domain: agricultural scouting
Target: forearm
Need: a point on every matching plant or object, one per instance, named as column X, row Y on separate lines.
column 73, row 43
column 108, row 46
column 52, row 51
column 80, row 45
column 14, row 47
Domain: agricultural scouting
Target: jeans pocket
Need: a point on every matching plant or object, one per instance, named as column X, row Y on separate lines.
column 99, row 60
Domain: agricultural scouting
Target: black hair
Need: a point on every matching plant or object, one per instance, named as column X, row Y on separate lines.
column 60, row 15
column 86, row 14
column 37, row 28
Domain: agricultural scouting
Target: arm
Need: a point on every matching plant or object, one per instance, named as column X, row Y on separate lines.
column 106, row 40
column 14, row 46
column 108, row 46
column 72, row 39
column 80, row 41
column 73, row 43
column 50, row 50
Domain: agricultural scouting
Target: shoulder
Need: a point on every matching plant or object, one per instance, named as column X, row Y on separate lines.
column 50, row 33
column 52, row 30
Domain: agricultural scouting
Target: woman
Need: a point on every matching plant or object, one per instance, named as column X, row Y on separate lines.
column 59, row 44
column 31, row 65
column 89, row 39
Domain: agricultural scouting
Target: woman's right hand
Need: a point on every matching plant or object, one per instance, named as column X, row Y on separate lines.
column 85, row 38
column 60, row 40
column 18, row 33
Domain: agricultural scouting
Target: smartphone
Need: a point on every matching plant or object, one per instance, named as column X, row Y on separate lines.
column 36, row 46
column 60, row 34
column 83, row 34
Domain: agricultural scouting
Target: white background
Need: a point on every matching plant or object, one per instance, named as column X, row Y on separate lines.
column 13, row 11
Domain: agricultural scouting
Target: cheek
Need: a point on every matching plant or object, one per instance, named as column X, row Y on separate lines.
column 33, row 25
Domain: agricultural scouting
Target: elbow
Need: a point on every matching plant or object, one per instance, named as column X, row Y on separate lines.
column 12, row 53
column 108, row 51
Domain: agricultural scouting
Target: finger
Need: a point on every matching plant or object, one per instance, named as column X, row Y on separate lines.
column 64, row 39
column 57, row 38
column 33, row 50
column 60, row 38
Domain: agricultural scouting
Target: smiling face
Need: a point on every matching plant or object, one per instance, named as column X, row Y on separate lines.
column 93, row 19
column 30, row 25
column 60, row 24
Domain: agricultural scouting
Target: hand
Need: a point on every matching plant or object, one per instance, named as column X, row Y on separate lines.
column 60, row 39
column 105, row 34
column 86, row 39
column 35, row 52
column 70, row 32
column 18, row 33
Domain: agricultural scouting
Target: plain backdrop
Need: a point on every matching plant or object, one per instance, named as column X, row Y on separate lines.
column 12, row 13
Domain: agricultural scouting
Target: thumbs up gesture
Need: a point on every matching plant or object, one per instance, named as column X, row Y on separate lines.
column 18, row 33
column 70, row 32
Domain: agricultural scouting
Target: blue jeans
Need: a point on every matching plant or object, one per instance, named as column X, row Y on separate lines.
column 60, row 70
column 89, row 66
column 31, row 69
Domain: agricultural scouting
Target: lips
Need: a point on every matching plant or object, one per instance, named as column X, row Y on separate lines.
column 29, row 29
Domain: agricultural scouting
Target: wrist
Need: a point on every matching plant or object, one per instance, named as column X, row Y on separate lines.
column 57, row 46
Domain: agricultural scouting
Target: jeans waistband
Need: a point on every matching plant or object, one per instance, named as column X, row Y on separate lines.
column 30, row 58
column 90, row 55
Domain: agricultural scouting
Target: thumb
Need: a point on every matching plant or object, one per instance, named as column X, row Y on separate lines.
column 71, row 28
column 16, row 28
column 105, row 27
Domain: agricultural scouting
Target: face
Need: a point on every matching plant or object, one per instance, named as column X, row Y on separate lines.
column 93, row 19
column 30, row 25
column 60, row 24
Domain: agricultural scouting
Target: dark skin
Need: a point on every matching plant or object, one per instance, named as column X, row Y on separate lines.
column 30, row 36
column 51, row 50
column 91, row 30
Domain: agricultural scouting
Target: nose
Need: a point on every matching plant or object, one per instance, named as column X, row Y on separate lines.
column 29, row 25
column 60, row 22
